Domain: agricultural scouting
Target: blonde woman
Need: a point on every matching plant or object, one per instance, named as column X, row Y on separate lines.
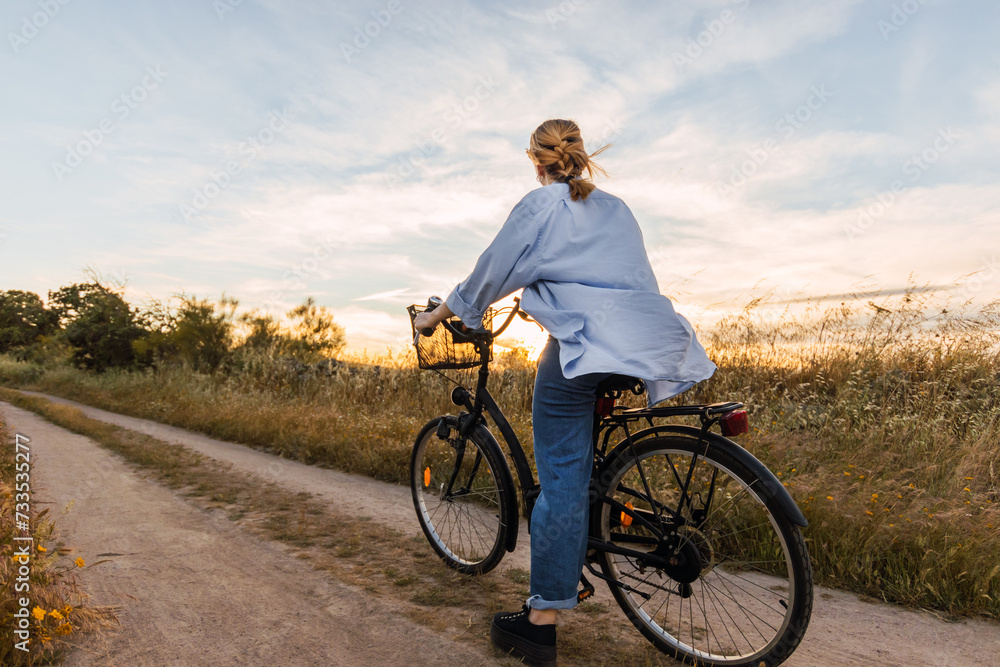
column 579, row 256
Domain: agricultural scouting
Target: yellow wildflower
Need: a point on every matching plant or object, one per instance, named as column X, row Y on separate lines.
column 38, row 613
column 79, row 562
column 56, row 615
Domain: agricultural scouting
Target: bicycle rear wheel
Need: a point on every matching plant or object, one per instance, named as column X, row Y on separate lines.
column 741, row 593
column 462, row 493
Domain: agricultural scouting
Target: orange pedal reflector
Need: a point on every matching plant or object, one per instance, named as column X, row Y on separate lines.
column 427, row 477
column 626, row 518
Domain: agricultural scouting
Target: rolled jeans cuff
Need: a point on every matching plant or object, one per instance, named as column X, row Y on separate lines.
column 536, row 602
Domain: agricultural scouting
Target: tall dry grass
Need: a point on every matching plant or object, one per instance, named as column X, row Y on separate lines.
column 881, row 418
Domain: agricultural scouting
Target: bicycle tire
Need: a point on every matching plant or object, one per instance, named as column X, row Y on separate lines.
column 468, row 529
column 752, row 599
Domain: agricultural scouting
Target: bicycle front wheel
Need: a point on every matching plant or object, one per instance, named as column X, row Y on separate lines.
column 462, row 493
column 738, row 590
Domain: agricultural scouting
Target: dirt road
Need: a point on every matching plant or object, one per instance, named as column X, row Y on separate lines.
column 206, row 592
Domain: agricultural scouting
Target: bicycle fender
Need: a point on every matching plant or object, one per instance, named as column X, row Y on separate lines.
column 508, row 481
column 732, row 449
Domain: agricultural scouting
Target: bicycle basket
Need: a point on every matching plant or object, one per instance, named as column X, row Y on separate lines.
column 441, row 351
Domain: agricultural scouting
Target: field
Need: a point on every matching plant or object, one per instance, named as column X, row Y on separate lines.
column 883, row 420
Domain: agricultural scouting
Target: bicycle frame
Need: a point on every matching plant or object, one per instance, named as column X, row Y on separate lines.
column 481, row 401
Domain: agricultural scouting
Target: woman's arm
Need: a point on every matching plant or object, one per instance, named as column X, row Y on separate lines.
column 508, row 264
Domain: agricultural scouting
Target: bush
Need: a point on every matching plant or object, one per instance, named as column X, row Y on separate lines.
column 98, row 324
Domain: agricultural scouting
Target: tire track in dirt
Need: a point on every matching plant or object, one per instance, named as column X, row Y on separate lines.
column 844, row 630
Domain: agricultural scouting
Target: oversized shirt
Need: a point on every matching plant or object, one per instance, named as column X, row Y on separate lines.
column 588, row 281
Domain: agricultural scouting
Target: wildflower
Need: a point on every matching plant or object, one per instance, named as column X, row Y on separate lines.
column 912, row 486
column 874, row 496
column 64, row 629
column 38, row 613
column 891, row 525
column 861, row 476
column 869, row 513
column 42, row 549
column 967, row 489
column 968, row 478
column 829, row 497
column 56, row 615
column 79, row 562
column 847, row 474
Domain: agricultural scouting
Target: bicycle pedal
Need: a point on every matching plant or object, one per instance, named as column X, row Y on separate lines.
column 588, row 590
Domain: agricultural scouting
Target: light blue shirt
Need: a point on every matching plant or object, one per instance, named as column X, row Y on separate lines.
column 588, row 281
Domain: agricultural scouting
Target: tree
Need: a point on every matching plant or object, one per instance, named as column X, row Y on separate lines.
column 99, row 325
column 203, row 335
column 23, row 319
column 314, row 335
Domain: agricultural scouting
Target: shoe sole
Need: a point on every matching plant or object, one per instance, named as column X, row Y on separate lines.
column 516, row 646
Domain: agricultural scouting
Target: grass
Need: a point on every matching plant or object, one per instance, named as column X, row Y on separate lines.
column 882, row 419
column 363, row 553
column 58, row 607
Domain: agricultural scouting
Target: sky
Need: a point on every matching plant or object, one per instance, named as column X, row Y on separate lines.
column 365, row 153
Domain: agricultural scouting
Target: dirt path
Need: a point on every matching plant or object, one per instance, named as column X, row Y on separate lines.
column 195, row 598
column 193, row 588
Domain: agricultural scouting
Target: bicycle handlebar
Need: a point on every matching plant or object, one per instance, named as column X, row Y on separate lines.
column 469, row 335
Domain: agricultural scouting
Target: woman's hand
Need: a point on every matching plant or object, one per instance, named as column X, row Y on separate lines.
column 430, row 319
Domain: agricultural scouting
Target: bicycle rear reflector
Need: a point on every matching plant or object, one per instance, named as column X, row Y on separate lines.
column 627, row 518
column 427, row 477
column 734, row 423
column 603, row 406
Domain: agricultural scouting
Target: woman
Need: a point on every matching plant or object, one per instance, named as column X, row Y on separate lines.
column 578, row 254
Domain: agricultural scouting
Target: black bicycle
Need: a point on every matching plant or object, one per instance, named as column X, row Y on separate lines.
column 698, row 541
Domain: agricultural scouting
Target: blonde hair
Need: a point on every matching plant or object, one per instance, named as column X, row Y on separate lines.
column 558, row 147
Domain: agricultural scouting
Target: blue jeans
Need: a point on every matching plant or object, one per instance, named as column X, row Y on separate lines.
column 562, row 414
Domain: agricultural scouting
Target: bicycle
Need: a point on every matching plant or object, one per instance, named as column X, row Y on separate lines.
column 699, row 543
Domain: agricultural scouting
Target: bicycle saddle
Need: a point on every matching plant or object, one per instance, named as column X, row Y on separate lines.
column 620, row 384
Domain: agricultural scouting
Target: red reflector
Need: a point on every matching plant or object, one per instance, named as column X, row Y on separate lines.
column 603, row 406
column 735, row 423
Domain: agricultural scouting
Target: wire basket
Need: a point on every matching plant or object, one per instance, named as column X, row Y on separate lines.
column 441, row 351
